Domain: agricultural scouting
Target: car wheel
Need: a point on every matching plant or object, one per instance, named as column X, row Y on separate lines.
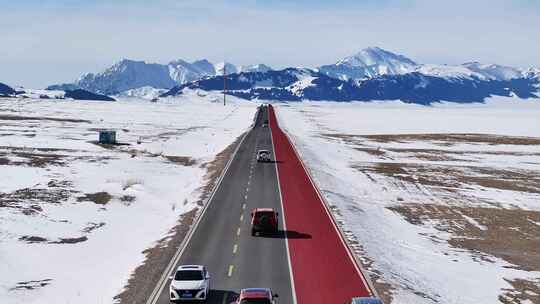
column 253, row 232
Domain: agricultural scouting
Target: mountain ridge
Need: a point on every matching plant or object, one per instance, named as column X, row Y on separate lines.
column 292, row 84
column 128, row 74
column 370, row 73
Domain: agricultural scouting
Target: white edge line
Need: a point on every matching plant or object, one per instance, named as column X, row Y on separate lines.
column 283, row 215
column 355, row 261
column 154, row 296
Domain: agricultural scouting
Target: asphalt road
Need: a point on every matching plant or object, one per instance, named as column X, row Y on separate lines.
column 222, row 240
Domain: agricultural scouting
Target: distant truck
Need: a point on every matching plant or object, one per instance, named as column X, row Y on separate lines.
column 263, row 156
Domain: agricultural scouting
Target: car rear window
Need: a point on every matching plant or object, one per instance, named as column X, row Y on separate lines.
column 188, row 275
column 264, row 213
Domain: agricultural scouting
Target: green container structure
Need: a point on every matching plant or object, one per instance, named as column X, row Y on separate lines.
column 107, row 137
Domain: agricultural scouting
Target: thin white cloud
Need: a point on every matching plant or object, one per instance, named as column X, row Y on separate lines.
column 53, row 44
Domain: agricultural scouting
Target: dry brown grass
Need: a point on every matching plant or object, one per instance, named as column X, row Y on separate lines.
column 509, row 234
column 28, row 200
column 19, row 117
column 452, row 177
column 31, row 285
column 100, row 198
column 523, row 290
column 181, row 160
column 451, row 138
column 33, row 159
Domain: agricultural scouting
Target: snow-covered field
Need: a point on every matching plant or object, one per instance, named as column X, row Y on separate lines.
column 75, row 216
column 441, row 203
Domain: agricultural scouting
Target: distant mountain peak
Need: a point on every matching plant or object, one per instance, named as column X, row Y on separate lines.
column 226, row 67
column 368, row 63
column 254, row 68
column 376, row 56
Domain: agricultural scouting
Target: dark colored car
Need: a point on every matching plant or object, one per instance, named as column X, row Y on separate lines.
column 264, row 220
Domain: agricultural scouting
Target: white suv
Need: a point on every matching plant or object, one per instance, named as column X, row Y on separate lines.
column 190, row 282
column 263, row 156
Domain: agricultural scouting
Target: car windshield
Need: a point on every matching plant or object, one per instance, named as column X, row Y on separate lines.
column 188, row 275
column 255, row 301
column 264, row 213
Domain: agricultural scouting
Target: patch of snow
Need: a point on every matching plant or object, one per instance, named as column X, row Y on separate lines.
column 16, row 177
column 494, row 71
column 254, row 68
column 38, row 93
column 145, row 92
column 304, row 80
column 226, row 67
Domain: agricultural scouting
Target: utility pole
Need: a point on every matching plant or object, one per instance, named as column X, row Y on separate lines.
column 224, row 82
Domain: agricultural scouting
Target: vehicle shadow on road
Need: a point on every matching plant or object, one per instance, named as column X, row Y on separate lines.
column 288, row 234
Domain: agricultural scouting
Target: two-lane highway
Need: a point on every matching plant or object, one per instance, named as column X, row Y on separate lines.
column 222, row 240
column 308, row 264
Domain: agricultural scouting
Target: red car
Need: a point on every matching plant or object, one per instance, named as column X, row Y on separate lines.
column 256, row 296
column 264, row 220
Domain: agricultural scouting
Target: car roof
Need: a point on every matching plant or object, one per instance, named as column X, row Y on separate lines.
column 264, row 210
column 258, row 293
column 366, row 301
column 190, row 267
column 264, row 151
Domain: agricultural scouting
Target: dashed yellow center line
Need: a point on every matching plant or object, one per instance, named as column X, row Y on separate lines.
column 231, row 269
column 241, row 217
column 238, row 231
column 235, row 249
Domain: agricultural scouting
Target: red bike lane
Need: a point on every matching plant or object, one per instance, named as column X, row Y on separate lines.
column 322, row 266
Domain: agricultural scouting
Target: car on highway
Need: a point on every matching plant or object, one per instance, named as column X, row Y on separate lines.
column 365, row 300
column 256, row 296
column 190, row 282
column 263, row 156
column 265, row 125
column 264, row 220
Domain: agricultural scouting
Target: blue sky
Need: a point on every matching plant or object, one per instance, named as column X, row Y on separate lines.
column 45, row 42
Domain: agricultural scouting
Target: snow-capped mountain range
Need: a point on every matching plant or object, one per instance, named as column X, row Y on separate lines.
column 371, row 74
column 374, row 62
column 414, row 87
column 130, row 74
column 376, row 74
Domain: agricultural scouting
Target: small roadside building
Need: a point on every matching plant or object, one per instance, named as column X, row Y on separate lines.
column 107, row 136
